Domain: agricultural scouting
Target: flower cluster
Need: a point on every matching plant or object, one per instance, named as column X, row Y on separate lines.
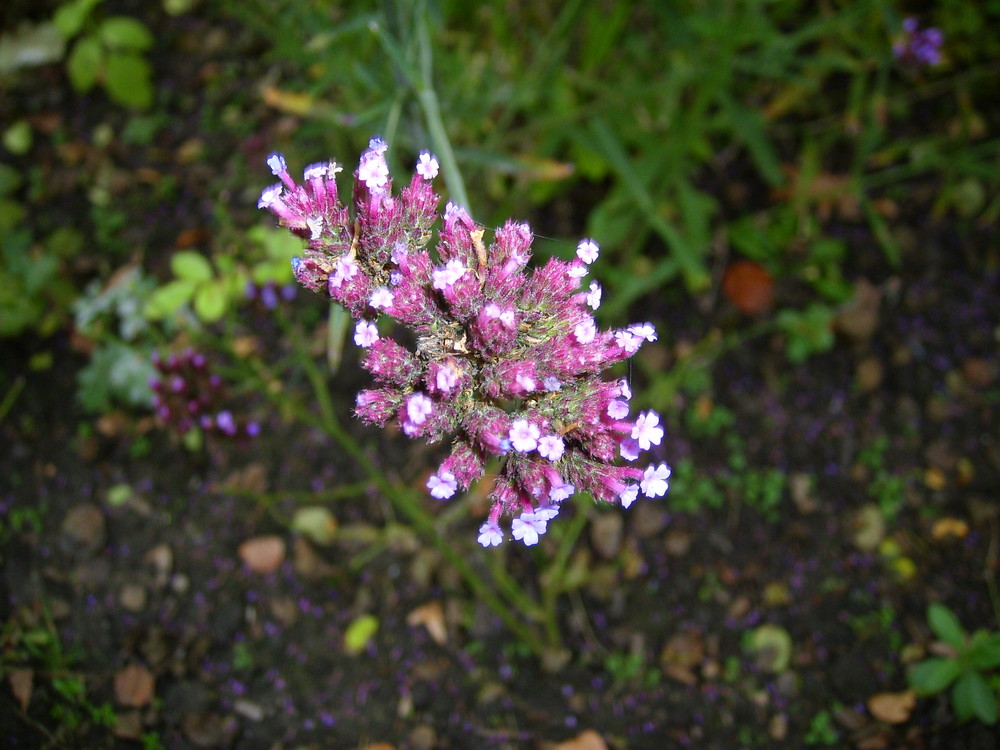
column 507, row 360
column 918, row 46
column 187, row 394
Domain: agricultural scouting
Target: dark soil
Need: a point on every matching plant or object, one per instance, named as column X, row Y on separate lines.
column 902, row 411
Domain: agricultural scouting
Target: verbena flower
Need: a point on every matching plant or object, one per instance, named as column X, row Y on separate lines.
column 918, row 46
column 507, row 359
column 187, row 394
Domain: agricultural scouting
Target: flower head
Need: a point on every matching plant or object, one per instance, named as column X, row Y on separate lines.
column 500, row 359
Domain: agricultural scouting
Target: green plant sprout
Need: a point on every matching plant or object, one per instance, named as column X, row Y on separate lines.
column 108, row 52
column 964, row 666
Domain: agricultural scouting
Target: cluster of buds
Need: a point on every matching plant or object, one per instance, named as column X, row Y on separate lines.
column 507, row 361
column 918, row 46
column 187, row 394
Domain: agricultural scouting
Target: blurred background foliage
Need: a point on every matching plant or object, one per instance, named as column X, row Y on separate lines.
column 687, row 137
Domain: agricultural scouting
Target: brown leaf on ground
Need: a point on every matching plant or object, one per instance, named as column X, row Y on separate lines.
column 21, row 681
column 431, row 616
column 950, row 528
column 134, row 686
column 586, row 740
column 83, row 529
column 263, row 554
column 749, row 287
column 892, row 708
column 858, row 319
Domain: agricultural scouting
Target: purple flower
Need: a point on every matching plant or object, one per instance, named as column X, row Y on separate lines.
column 505, row 360
column 918, row 46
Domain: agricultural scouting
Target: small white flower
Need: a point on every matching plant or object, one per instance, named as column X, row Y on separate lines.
column 551, row 383
column 365, row 334
column 628, row 495
column 442, row 486
column 277, row 164
column 647, row 431
column 527, row 528
column 587, row 251
column 418, row 408
column 617, row 409
column 490, row 535
column 381, row 299
column 629, row 449
column 628, row 341
column 562, row 492
column 585, row 331
column 427, row 167
column 452, row 271
column 551, row 447
column 643, row 331
column 446, row 379
column 654, row 480
column 594, row 297
column 524, row 436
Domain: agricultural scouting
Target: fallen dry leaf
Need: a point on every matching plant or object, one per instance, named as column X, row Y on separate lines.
column 948, row 528
column 431, row 616
column 134, row 686
column 263, row 554
column 892, row 708
column 749, row 287
column 586, row 740
column 21, row 682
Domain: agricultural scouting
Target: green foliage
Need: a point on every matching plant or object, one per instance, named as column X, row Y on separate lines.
column 630, row 667
column 886, row 488
column 822, row 731
column 807, row 332
column 29, row 640
column 964, row 670
column 120, row 369
column 34, row 294
column 108, row 52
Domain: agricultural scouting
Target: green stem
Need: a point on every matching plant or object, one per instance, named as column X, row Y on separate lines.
column 432, row 115
column 555, row 578
column 406, row 502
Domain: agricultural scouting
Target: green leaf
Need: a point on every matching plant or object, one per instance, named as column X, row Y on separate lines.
column 187, row 264
column 125, row 33
column 359, row 633
column 972, row 696
column 934, row 675
column 127, row 77
column 945, row 625
column 984, row 651
column 166, row 300
column 70, row 17
column 84, row 63
column 210, row 301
